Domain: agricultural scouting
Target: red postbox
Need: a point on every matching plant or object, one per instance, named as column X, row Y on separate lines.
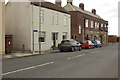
column 8, row 44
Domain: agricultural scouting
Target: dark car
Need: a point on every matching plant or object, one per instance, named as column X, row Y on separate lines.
column 97, row 43
column 87, row 44
column 69, row 45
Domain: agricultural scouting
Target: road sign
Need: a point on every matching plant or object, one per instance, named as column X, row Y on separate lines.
column 35, row 30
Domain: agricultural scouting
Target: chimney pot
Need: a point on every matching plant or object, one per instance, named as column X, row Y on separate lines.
column 94, row 11
column 70, row 1
column 58, row 3
column 81, row 5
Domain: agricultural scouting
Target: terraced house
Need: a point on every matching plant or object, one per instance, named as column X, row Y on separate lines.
column 2, row 27
column 23, row 20
column 86, row 25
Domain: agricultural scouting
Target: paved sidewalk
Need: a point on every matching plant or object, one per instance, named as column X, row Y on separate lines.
column 20, row 54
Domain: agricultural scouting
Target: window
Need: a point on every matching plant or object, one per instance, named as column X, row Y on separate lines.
column 56, row 36
column 95, row 25
column 86, row 23
column 65, row 20
column 79, row 29
column 91, row 24
column 102, row 25
column 57, row 18
column 105, row 26
column 64, row 35
column 42, row 16
column 42, row 36
column 98, row 25
column 52, row 18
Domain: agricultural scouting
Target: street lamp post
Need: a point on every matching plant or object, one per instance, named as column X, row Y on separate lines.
column 40, row 27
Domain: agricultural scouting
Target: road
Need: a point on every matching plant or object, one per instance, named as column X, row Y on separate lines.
column 93, row 63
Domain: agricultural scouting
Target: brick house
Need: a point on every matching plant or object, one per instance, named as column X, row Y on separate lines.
column 86, row 25
column 112, row 38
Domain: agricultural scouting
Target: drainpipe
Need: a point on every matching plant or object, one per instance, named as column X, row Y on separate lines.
column 40, row 27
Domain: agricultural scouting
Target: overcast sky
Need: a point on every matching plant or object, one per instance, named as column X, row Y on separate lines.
column 107, row 9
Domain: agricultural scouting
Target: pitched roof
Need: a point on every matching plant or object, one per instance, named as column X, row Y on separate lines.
column 51, row 6
column 70, row 7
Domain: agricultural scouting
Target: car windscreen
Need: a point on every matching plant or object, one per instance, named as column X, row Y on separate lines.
column 84, row 42
column 65, row 41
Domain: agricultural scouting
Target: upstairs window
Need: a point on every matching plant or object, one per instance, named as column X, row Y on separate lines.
column 86, row 23
column 98, row 25
column 91, row 24
column 95, row 25
column 65, row 20
column 57, row 18
column 101, row 25
column 52, row 18
column 79, row 29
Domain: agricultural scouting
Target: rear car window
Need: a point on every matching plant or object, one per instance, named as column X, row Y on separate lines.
column 84, row 42
column 66, row 41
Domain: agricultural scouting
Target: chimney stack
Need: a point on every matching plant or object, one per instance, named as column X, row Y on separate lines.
column 81, row 5
column 94, row 11
column 58, row 3
column 70, row 1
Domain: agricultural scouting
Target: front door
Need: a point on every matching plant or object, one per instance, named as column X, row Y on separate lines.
column 54, row 39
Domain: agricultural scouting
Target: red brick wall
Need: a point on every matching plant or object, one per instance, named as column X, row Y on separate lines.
column 112, row 39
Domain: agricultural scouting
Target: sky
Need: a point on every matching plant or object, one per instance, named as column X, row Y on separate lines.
column 107, row 9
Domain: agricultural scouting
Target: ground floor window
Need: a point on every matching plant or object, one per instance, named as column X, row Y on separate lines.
column 96, row 37
column 42, row 36
column 64, row 35
column 54, row 36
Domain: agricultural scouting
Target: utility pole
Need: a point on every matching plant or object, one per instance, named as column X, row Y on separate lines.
column 40, row 27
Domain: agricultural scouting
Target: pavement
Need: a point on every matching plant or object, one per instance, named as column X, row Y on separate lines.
column 18, row 54
column 93, row 63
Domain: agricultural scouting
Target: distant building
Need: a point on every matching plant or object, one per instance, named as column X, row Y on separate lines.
column 22, row 21
column 112, row 38
column 2, row 27
column 86, row 25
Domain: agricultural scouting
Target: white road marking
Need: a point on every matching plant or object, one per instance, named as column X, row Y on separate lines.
column 28, row 68
column 76, row 56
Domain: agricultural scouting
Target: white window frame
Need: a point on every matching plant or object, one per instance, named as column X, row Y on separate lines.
column 92, row 24
column 43, row 35
column 57, row 19
column 98, row 25
column 95, row 25
column 86, row 23
column 53, row 18
column 64, row 34
column 65, row 20
column 80, row 29
column 105, row 25
column 101, row 25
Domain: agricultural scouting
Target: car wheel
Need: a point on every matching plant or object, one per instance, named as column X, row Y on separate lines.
column 61, row 50
column 73, row 49
column 80, row 48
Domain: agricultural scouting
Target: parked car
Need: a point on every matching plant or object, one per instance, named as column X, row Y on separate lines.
column 69, row 45
column 87, row 44
column 97, row 43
